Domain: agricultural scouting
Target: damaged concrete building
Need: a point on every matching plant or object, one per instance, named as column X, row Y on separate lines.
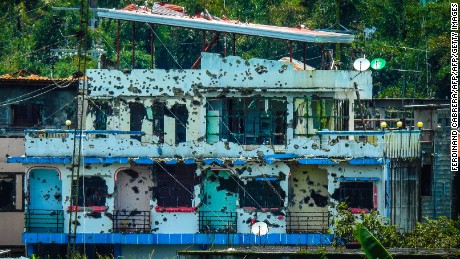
column 194, row 157
column 27, row 101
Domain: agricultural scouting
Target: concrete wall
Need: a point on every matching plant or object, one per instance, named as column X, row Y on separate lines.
column 12, row 222
column 444, row 194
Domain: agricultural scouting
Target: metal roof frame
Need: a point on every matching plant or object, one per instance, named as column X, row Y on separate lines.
column 293, row 34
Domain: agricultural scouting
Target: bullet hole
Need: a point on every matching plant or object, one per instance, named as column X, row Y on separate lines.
column 108, row 215
column 165, row 219
column 157, row 223
column 135, row 189
column 320, row 200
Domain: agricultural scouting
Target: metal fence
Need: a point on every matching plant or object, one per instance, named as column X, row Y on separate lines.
column 217, row 222
column 44, row 221
column 307, row 222
column 131, row 221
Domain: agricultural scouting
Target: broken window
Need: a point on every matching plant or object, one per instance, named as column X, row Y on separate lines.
column 425, row 180
column 262, row 192
column 137, row 114
column 247, row 121
column 357, row 194
column 174, row 184
column 10, row 188
column 169, row 124
column 101, row 111
column 314, row 113
column 156, row 115
column 92, row 191
column 26, row 114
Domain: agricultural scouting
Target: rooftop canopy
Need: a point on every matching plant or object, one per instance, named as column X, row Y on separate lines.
column 171, row 15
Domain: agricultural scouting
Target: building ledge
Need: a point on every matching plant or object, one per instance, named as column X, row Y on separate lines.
column 207, row 161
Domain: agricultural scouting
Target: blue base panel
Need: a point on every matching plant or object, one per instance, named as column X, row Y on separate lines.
column 181, row 239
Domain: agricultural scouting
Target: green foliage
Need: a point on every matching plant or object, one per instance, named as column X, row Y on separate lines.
column 399, row 32
column 343, row 225
column 378, row 226
column 370, row 245
column 440, row 233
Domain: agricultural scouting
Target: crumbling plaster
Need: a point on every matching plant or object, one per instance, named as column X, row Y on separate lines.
column 221, row 73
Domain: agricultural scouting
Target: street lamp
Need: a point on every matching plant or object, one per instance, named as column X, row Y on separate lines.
column 68, row 123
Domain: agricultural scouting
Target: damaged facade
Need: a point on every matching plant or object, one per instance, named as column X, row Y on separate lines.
column 27, row 101
column 203, row 154
column 173, row 158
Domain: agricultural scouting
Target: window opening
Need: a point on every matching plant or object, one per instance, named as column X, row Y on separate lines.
column 426, row 180
column 357, row 194
column 174, row 184
column 102, row 110
column 180, row 114
column 262, row 192
column 313, row 113
column 136, row 117
column 247, row 121
column 156, row 115
column 8, row 190
column 26, row 114
column 92, row 191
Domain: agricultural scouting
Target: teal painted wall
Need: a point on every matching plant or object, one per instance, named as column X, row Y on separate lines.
column 219, row 198
column 45, row 189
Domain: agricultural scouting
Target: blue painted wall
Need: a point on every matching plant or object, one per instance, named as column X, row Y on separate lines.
column 45, row 189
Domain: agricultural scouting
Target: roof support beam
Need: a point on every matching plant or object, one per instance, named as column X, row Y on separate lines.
column 214, row 40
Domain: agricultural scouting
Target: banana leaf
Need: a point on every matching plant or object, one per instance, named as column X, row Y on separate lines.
column 370, row 245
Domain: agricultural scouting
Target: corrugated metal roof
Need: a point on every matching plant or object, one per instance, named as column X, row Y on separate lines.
column 170, row 15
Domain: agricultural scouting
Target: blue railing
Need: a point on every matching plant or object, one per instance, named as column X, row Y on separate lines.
column 44, row 221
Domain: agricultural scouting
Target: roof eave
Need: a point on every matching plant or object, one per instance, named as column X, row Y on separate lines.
column 187, row 22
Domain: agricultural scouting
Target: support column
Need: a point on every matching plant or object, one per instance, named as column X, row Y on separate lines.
column 117, row 251
column 133, row 34
column 118, row 45
column 30, row 249
column 152, row 47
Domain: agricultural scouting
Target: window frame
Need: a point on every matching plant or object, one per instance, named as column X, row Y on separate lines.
column 371, row 197
column 242, row 120
column 262, row 193
column 333, row 115
column 167, row 171
column 16, row 189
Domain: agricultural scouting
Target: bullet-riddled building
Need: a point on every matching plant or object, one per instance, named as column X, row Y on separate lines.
column 173, row 159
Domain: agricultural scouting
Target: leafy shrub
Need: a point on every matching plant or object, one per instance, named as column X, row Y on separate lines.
column 345, row 225
column 440, row 233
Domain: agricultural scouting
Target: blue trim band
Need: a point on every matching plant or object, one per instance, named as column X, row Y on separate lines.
column 366, row 161
column 266, row 179
column 39, row 160
column 317, row 161
column 180, row 239
column 210, row 161
column 359, row 179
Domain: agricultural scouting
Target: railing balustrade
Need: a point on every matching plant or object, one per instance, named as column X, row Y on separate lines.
column 131, row 221
column 217, row 222
column 44, row 221
column 307, row 222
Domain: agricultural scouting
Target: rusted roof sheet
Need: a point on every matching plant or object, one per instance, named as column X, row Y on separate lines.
column 173, row 15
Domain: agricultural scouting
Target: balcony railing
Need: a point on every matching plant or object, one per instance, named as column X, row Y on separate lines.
column 307, row 222
column 217, row 222
column 44, row 221
column 131, row 221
